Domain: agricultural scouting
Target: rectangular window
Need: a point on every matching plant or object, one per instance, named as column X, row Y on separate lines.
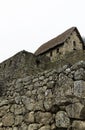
column 57, row 51
column 51, row 53
column 74, row 45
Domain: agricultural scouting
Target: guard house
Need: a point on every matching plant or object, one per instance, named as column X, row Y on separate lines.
column 68, row 41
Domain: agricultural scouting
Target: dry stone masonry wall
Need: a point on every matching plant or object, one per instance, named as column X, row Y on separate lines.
column 51, row 100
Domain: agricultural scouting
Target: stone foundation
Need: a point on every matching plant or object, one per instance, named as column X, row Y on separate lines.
column 51, row 100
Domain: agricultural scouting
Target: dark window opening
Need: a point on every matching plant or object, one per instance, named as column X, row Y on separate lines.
column 74, row 45
column 57, row 51
column 4, row 65
column 10, row 62
column 37, row 62
column 51, row 53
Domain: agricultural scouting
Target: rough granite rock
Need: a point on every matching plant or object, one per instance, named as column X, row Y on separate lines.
column 79, row 88
column 29, row 117
column 8, row 119
column 74, row 110
column 62, row 119
column 45, row 127
column 78, row 125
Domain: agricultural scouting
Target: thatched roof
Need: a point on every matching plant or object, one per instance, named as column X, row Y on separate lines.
column 55, row 41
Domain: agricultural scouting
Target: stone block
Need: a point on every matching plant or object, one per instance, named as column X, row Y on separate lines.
column 8, row 119
column 29, row 117
column 79, row 74
column 18, row 120
column 74, row 110
column 43, row 118
column 62, row 119
column 79, row 88
column 33, row 126
column 45, row 127
column 78, row 125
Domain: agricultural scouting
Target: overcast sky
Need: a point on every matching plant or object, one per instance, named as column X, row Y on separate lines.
column 26, row 24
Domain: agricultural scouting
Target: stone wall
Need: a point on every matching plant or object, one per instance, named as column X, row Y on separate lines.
column 21, row 64
column 51, row 100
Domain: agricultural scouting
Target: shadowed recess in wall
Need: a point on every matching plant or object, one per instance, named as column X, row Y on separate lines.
column 2, row 88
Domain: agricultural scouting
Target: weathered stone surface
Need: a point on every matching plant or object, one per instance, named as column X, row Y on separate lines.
column 50, row 84
column 64, row 86
column 48, row 93
column 62, row 119
column 15, row 128
column 33, row 126
column 53, row 126
column 28, row 93
column 18, row 100
column 3, row 102
column 45, row 128
column 78, row 65
column 48, row 103
column 29, row 117
column 29, row 103
column 36, row 85
column 17, row 109
column 74, row 110
column 1, row 124
column 78, row 125
column 39, row 106
column 27, row 80
column 82, row 114
column 4, row 110
column 9, row 128
column 8, row 119
column 43, row 117
column 67, row 71
column 79, row 88
column 18, row 120
column 1, row 128
column 23, row 126
column 79, row 74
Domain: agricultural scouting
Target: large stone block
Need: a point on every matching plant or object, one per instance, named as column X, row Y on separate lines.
column 4, row 102
column 29, row 103
column 8, row 119
column 78, row 125
column 79, row 74
column 74, row 110
column 79, row 88
column 48, row 103
column 62, row 119
column 33, row 126
column 29, row 117
column 15, row 128
column 45, row 128
column 43, row 118
column 17, row 109
column 3, row 110
column 18, row 119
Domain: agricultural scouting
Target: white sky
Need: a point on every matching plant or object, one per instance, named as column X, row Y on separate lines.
column 26, row 24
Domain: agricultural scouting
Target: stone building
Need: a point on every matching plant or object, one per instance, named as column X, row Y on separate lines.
column 68, row 41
